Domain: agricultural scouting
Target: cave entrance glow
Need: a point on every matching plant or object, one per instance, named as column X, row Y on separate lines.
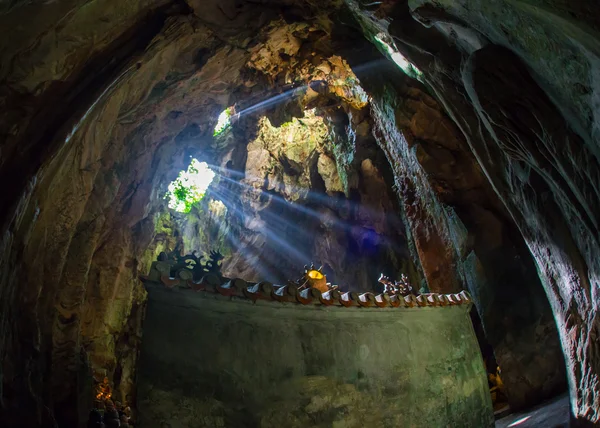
column 398, row 58
column 224, row 121
column 190, row 186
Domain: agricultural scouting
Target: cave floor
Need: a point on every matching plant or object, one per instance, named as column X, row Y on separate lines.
column 551, row 414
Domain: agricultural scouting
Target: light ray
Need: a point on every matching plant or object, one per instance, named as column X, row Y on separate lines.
column 269, row 102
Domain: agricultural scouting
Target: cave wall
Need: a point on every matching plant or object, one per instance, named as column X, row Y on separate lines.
column 289, row 208
column 522, row 91
column 71, row 248
column 210, row 361
column 464, row 234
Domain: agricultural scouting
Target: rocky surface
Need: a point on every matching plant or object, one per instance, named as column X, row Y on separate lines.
column 461, row 232
column 541, row 163
column 552, row 413
column 494, row 159
column 354, row 238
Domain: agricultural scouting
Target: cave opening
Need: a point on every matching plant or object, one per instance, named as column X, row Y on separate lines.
column 190, row 186
column 438, row 166
column 223, row 121
column 292, row 177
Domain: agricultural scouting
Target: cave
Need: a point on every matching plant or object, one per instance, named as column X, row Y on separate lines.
column 172, row 167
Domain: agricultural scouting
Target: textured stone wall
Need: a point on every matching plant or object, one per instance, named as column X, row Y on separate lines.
column 463, row 230
column 207, row 361
column 86, row 182
column 517, row 79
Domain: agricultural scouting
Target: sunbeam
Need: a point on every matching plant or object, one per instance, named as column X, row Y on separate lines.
column 272, row 101
column 316, row 198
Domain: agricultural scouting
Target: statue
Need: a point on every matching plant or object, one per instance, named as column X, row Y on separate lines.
column 496, row 388
column 397, row 288
column 192, row 263
column 190, row 266
column 103, row 390
column 314, row 278
column 214, row 264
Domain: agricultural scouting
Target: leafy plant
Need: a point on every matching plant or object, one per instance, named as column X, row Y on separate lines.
column 189, row 187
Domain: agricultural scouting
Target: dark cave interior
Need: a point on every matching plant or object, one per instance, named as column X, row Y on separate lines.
column 453, row 142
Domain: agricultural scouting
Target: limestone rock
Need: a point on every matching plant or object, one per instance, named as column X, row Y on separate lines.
column 328, row 172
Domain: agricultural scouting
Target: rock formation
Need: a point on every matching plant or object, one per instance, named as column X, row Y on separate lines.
column 476, row 168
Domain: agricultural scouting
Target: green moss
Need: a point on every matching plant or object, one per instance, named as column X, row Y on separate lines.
column 296, row 139
column 207, row 228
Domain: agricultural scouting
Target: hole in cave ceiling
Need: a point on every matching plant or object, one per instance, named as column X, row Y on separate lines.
column 224, row 121
column 397, row 57
column 190, row 186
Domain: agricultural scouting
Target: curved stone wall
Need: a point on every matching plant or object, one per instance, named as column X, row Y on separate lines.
column 210, row 360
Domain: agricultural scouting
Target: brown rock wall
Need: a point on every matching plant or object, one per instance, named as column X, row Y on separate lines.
column 465, row 238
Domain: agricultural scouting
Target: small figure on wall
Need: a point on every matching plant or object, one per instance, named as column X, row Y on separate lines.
column 397, row 288
column 190, row 266
column 497, row 391
column 103, row 390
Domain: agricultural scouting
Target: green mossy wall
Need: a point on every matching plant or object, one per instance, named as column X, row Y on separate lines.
column 207, row 361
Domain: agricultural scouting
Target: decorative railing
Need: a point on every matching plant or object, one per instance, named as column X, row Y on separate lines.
column 293, row 293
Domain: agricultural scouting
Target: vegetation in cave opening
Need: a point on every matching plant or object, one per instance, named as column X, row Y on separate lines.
column 190, row 186
column 398, row 58
column 224, row 121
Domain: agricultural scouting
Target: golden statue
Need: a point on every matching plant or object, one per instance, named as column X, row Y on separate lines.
column 103, row 390
column 497, row 388
column 315, row 278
